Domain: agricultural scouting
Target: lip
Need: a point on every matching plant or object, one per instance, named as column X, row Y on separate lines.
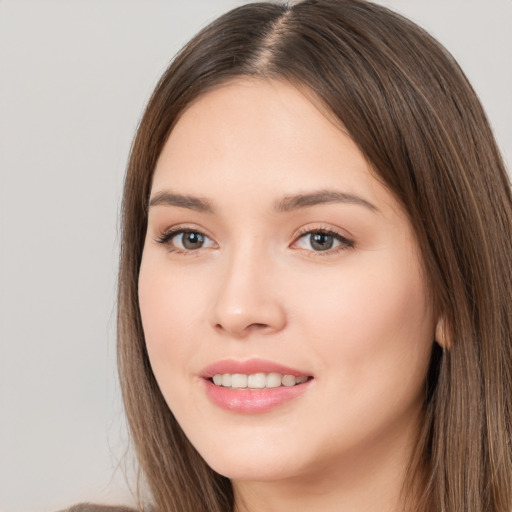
column 252, row 401
column 249, row 367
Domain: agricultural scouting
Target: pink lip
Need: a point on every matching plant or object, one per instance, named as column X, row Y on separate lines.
column 249, row 367
column 251, row 401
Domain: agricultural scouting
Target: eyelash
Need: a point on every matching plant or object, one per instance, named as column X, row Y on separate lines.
column 344, row 242
column 165, row 238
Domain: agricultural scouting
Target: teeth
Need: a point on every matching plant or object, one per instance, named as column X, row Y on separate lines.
column 274, row 380
column 238, row 380
column 288, row 380
column 256, row 380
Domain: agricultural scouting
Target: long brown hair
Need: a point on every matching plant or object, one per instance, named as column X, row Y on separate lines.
column 413, row 114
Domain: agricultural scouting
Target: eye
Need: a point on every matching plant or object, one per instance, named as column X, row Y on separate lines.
column 184, row 240
column 322, row 240
column 189, row 240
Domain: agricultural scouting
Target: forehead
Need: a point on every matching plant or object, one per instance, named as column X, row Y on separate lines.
column 263, row 134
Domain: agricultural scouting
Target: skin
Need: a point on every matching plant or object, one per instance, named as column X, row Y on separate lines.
column 356, row 317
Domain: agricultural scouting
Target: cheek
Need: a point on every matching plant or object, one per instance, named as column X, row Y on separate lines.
column 371, row 320
column 170, row 309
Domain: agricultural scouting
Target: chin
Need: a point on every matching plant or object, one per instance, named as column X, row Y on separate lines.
column 251, row 470
column 252, row 461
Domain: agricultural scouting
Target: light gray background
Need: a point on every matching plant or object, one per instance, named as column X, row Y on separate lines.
column 74, row 78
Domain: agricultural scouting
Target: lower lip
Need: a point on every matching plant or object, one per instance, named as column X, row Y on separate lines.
column 253, row 401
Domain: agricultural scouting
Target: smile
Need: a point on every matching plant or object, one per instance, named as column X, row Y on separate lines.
column 254, row 385
column 256, row 380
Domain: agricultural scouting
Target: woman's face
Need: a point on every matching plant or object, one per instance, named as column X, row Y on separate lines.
column 272, row 252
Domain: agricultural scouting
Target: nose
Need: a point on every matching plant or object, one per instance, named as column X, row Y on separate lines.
column 247, row 299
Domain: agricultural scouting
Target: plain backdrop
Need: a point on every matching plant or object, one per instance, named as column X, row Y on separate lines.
column 74, row 78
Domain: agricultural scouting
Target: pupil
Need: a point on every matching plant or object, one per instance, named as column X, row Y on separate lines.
column 321, row 241
column 192, row 240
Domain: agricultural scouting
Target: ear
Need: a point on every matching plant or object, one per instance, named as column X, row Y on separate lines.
column 442, row 336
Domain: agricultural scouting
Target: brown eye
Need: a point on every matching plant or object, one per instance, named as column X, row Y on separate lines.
column 190, row 240
column 184, row 240
column 321, row 241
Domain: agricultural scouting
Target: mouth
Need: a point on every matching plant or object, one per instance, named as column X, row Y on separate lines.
column 257, row 380
column 253, row 386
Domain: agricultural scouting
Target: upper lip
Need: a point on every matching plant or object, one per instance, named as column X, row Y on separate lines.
column 249, row 367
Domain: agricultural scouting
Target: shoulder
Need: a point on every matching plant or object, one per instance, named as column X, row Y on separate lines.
column 91, row 507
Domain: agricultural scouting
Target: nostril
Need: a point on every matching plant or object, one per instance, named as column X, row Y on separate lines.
column 255, row 326
column 252, row 318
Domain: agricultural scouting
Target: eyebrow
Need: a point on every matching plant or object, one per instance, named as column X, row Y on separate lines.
column 183, row 201
column 295, row 202
column 287, row 204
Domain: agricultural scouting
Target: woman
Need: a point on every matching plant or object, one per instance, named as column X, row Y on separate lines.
column 315, row 281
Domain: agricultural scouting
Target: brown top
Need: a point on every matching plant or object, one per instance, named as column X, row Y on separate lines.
column 91, row 507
